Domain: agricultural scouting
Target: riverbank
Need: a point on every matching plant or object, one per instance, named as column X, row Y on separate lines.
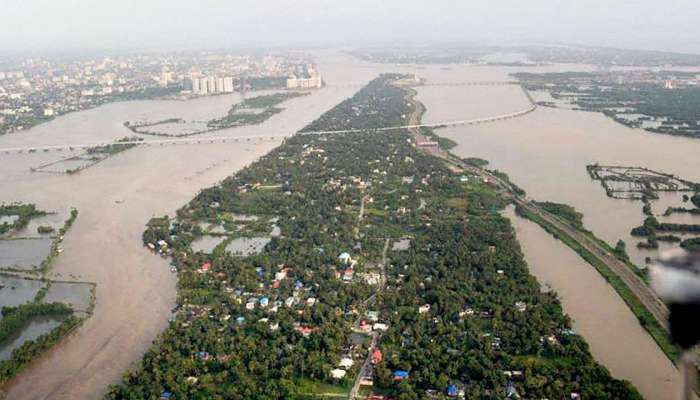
column 646, row 319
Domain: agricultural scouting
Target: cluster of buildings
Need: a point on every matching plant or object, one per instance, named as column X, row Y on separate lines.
column 34, row 90
column 210, row 85
column 313, row 82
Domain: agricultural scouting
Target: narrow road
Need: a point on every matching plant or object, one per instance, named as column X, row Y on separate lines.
column 366, row 369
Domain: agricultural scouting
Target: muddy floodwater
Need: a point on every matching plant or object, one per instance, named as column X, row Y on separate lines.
column 615, row 337
column 115, row 198
column 545, row 152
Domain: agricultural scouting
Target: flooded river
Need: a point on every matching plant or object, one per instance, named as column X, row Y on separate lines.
column 545, row 152
column 615, row 337
column 135, row 290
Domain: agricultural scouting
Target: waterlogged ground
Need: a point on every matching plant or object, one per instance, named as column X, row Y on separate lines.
column 36, row 327
column 25, row 254
column 15, row 291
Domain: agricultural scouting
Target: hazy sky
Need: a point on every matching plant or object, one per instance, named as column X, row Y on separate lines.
column 69, row 25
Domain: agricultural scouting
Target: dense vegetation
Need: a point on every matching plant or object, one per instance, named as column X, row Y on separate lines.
column 637, row 103
column 117, row 147
column 23, row 212
column 254, row 110
column 459, row 304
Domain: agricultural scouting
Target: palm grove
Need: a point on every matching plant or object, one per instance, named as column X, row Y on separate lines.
column 461, row 308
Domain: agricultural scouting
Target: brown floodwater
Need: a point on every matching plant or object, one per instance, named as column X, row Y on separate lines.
column 135, row 289
column 545, row 152
column 613, row 333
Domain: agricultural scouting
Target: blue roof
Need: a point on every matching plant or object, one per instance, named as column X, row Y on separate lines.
column 166, row 395
column 452, row 390
column 400, row 374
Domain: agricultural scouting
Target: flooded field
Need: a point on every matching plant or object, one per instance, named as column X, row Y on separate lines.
column 401, row 245
column 55, row 220
column 247, row 246
column 36, row 327
column 76, row 295
column 207, row 243
column 8, row 219
column 15, row 291
column 24, row 253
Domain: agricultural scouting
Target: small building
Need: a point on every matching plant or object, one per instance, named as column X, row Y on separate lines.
column 204, row 268
column 373, row 316
column 345, row 258
column 348, row 274
column 338, row 373
column 281, row 275
column 430, row 144
column 376, row 356
column 380, row 327
column 400, row 375
column 424, row 309
column 346, row 363
column 290, row 301
column 264, row 301
column 520, row 306
column 452, row 391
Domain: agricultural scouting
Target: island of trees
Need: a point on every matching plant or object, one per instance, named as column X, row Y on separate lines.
column 329, row 302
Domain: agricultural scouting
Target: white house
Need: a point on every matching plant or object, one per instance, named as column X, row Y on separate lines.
column 346, row 362
column 338, row 373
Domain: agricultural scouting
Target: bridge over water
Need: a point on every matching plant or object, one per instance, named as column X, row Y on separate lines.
column 271, row 137
column 257, row 138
